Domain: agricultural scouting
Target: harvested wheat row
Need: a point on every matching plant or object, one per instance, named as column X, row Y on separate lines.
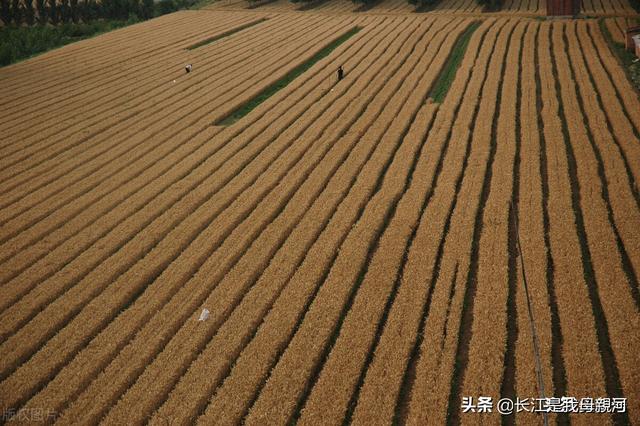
column 284, row 391
column 338, row 380
column 388, row 355
column 185, row 232
column 617, row 319
column 125, row 324
column 246, row 316
column 280, row 321
column 438, row 352
column 227, row 293
column 576, row 319
column 448, row 6
column 164, row 46
column 123, row 127
column 40, row 289
column 614, row 28
column 203, row 274
column 104, row 189
column 489, row 366
column 532, row 217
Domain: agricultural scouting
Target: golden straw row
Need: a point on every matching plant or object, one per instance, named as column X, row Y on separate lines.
column 380, row 392
column 438, row 353
column 338, row 379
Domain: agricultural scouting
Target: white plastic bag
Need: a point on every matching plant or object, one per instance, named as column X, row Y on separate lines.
column 204, row 315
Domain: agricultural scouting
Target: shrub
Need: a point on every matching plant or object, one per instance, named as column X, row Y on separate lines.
column 6, row 56
column 166, row 6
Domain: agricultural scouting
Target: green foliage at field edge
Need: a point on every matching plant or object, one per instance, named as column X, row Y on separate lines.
column 18, row 43
column 226, row 34
column 447, row 75
column 626, row 58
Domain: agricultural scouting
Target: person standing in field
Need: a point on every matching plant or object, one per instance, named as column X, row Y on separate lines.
column 340, row 73
column 188, row 68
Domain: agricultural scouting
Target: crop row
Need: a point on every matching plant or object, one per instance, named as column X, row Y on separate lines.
column 161, row 218
column 365, row 253
column 88, row 259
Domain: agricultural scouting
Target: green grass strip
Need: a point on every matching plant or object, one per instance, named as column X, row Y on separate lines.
column 226, row 34
column 626, row 58
column 447, row 75
column 249, row 106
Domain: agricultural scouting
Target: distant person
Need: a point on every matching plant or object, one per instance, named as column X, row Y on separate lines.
column 340, row 73
column 188, row 68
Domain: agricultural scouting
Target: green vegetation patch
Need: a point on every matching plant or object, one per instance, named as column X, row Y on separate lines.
column 631, row 68
column 18, row 43
column 249, row 106
column 225, row 34
column 447, row 75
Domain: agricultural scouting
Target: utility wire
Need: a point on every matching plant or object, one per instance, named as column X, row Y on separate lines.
column 534, row 335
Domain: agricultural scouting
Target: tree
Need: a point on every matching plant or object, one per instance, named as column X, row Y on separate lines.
column 42, row 11
column 64, row 11
column 16, row 11
column 146, row 9
column 5, row 12
column 365, row 3
column 491, row 5
column 73, row 10
column 134, row 8
column 94, row 10
column 53, row 12
column 29, row 12
column 420, row 4
column 115, row 9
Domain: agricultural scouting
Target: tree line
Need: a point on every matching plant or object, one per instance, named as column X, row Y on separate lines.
column 54, row 12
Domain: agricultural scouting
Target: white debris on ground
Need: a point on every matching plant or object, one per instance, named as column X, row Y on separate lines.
column 204, row 315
